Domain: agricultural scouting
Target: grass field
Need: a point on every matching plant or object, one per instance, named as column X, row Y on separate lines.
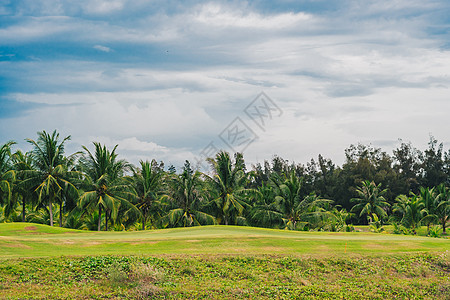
column 34, row 240
column 219, row 262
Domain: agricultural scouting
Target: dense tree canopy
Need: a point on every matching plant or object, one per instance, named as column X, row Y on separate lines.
column 98, row 190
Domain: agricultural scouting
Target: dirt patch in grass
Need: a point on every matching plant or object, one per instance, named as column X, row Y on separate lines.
column 16, row 245
column 273, row 249
column 89, row 244
column 144, row 243
column 30, row 228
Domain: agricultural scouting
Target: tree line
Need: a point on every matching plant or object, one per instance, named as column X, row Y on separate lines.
column 96, row 190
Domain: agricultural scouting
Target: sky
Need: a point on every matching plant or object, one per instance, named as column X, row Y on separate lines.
column 176, row 80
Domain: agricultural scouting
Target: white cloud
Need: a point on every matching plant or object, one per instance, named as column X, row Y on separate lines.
column 213, row 14
column 341, row 77
column 102, row 48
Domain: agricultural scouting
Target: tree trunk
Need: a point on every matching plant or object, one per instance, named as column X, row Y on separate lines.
column 23, row 209
column 443, row 225
column 50, row 210
column 143, row 221
column 60, row 214
column 106, row 219
column 99, row 217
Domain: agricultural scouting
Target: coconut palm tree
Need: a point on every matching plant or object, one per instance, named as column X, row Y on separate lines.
column 443, row 208
column 105, row 187
column 187, row 196
column 23, row 164
column 430, row 200
column 264, row 211
column 370, row 200
column 148, row 184
column 298, row 212
column 228, row 184
column 411, row 210
column 7, row 176
column 49, row 175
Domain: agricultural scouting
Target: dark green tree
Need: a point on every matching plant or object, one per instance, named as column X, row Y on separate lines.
column 49, row 175
column 187, row 199
column 7, row 176
column 370, row 201
column 228, row 184
column 148, row 182
column 105, row 187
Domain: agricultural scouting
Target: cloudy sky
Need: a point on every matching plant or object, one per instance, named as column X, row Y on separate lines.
column 172, row 80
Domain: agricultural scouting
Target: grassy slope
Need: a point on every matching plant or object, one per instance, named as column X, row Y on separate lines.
column 218, row 262
column 34, row 240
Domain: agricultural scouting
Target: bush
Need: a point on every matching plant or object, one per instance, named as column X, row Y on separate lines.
column 435, row 231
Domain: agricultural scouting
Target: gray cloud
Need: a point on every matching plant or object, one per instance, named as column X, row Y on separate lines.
column 165, row 78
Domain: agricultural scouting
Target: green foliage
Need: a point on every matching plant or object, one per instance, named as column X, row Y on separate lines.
column 434, row 231
column 411, row 210
column 228, row 187
column 375, row 224
column 371, row 201
column 186, row 199
column 403, row 276
column 7, row 177
column 97, row 190
column 105, row 186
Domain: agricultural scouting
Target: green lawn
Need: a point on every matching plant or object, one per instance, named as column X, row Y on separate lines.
column 35, row 240
column 219, row 262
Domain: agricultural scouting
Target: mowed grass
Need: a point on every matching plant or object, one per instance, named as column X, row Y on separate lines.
column 219, row 262
column 35, row 240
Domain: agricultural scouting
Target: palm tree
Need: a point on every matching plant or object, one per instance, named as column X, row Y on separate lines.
column 264, row 212
column 7, row 176
column 430, row 200
column 338, row 219
column 298, row 212
column 443, row 209
column 23, row 164
column 186, row 195
column 105, row 187
column 411, row 209
column 148, row 186
column 49, row 175
column 228, row 183
column 370, row 200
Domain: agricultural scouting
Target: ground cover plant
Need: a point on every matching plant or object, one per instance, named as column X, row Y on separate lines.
column 404, row 276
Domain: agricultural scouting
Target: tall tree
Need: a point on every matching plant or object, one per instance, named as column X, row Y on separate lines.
column 297, row 211
column 443, row 207
column 430, row 200
column 148, row 182
column 433, row 164
column 370, row 200
column 7, row 176
column 228, row 182
column 408, row 164
column 264, row 211
column 186, row 196
column 23, row 164
column 50, row 174
column 411, row 210
column 105, row 187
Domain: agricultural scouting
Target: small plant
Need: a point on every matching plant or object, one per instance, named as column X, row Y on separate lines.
column 147, row 291
column 399, row 229
column 147, row 273
column 435, row 231
column 349, row 228
column 375, row 224
column 116, row 274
